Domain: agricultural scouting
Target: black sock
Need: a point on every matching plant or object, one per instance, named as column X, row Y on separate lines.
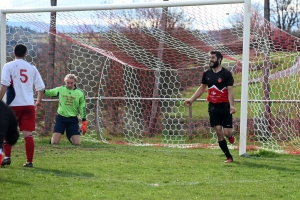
column 223, row 146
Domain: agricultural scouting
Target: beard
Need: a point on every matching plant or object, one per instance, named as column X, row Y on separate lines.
column 215, row 65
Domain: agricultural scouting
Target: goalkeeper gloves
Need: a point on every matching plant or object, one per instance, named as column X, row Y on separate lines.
column 83, row 126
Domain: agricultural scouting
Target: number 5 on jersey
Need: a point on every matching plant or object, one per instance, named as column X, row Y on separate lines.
column 24, row 77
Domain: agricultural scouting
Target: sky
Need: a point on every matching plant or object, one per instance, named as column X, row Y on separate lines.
column 44, row 3
column 40, row 3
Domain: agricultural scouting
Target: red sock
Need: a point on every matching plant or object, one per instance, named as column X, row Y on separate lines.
column 7, row 149
column 29, row 147
column 1, row 157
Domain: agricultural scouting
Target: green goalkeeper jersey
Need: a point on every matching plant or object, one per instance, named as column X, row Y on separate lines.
column 71, row 102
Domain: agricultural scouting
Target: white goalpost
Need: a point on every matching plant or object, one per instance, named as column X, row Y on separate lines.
column 245, row 78
column 138, row 62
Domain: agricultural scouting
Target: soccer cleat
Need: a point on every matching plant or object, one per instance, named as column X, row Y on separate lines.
column 6, row 161
column 228, row 160
column 28, row 164
column 231, row 139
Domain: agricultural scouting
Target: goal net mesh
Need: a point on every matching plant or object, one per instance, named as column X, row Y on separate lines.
column 137, row 66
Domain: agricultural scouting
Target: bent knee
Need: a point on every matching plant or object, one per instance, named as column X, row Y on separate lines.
column 54, row 143
column 76, row 143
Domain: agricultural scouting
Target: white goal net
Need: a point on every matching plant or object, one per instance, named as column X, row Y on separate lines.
column 137, row 66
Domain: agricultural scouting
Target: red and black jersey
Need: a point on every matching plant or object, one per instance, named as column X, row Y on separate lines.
column 217, row 85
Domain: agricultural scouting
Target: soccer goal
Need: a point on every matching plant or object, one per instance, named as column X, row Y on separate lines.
column 137, row 63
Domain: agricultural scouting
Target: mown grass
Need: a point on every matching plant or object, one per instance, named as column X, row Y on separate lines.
column 105, row 171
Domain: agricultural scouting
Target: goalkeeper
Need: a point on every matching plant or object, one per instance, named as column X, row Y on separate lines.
column 71, row 102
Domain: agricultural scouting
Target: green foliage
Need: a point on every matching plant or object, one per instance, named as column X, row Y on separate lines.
column 101, row 171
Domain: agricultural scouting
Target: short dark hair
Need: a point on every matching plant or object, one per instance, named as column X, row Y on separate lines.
column 20, row 50
column 218, row 54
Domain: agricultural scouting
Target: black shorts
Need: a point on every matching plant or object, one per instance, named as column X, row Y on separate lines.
column 219, row 114
column 67, row 124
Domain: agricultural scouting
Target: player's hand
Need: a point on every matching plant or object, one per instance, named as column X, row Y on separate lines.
column 188, row 102
column 232, row 110
column 38, row 105
column 83, row 127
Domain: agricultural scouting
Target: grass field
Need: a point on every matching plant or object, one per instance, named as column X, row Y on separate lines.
column 105, row 171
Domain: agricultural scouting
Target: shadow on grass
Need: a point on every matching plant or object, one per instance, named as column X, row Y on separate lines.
column 62, row 173
column 13, row 181
column 282, row 168
column 272, row 156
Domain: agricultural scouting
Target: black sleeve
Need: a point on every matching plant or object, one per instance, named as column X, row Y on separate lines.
column 204, row 81
column 230, row 80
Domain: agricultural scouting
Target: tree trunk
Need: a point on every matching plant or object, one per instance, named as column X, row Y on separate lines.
column 266, row 72
column 49, row 115
column 155, row 102
column 267, row 10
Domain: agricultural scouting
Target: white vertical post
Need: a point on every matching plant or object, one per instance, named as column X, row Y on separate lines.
column 245, row 78
column 3, row 41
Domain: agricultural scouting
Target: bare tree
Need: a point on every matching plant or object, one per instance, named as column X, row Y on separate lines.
column 237, row 20
column 267, row 10
column 285, row 14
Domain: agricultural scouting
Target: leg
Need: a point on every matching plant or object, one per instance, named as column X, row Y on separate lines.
column 5, row 124
column 219, row 132
column 7, row 153
column 227, row 124
column 1, row 155
column 11, row 137
column 72, row 131
column 222, row 143
column 55, row 138
column 59, row 129
column 29, row 145
column 75, row 139
column 1, row 145
column 228, row 132
column 26, row 116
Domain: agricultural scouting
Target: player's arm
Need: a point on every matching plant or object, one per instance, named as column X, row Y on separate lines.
column 52, row 92
column 82, row 111
column 2, row 91
column 231, row 99
column 82, row 107
column 5, row 81
column 199, row 92
column 229, row 83
column 38, row 102
column 230, row 95
column 39, row 87
column 196, row 95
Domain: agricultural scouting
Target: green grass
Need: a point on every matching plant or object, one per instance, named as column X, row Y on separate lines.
column 102, row 171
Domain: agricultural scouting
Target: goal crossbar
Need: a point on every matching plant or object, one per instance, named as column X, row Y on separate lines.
column 118, row 6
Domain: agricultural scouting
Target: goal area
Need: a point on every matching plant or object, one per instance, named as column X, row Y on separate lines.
column 138, row 62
